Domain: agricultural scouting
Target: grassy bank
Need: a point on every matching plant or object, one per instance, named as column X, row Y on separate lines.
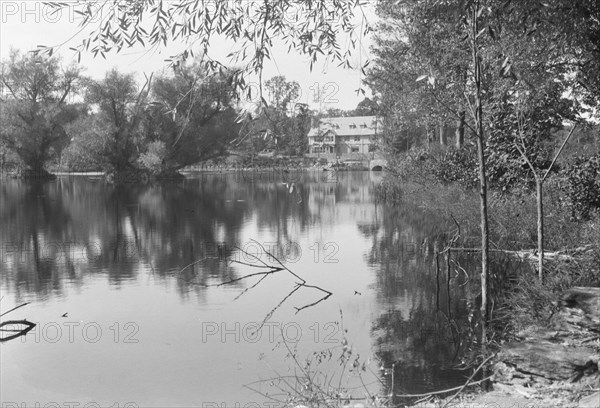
column 513, row 227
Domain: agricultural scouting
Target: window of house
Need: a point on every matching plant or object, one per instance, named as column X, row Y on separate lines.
column 357, row 138
column 354, row 149
column 363, row 126
column 352, row 126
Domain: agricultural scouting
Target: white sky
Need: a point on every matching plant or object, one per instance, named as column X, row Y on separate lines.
column 26, row 24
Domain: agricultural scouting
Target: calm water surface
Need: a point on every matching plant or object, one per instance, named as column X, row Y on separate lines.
column 138, row 271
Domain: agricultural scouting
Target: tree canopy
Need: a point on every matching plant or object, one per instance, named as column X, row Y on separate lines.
column 36, row 107
column 311, row 27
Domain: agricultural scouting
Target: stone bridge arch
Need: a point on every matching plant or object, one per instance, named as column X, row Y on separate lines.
column 377, row 164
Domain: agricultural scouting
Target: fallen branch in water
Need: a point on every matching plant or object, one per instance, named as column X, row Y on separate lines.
column 532, row 255
column 271, row 269
column 432, row 393
column 14, row 308
column 301, row 284
column 19, row 331
column 469, row 380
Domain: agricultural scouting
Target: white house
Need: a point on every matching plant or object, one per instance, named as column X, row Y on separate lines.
column 344, row 135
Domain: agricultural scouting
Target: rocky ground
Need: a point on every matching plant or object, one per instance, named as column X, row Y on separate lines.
column 554, row 367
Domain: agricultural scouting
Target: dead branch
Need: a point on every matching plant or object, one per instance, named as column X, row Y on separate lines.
column 18, row 332
column 270, row 270
column 524, row 254
column 250, row 287
column 14, row 308
column 429, row 394
column 250, row 275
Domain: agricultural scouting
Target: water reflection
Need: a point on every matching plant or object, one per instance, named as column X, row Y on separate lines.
column 71, row 235
column 51, row 230
column 424, row 302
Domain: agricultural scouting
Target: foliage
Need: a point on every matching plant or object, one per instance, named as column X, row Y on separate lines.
column 89, row 134
column 152, row 160
column 333, row 113
column 437, row 166
column 120, row 106
column 367, row 107
column 416, row 41
column 298, row 129
column 531, row 58
column 281, row 127
column 529, row 104
column 583, row 185
column 190, row 115
column 308, row 26
column 282, row 93
column 456, row 166
column 585, row 141
column 278, row 121
column 577, row 26
column 525, row 301
column 36, row 110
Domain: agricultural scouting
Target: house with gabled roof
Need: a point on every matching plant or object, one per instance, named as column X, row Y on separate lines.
column 343, row 136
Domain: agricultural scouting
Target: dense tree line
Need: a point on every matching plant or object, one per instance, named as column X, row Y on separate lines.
column 53, row 113
column 538, row 63
column 186, row 115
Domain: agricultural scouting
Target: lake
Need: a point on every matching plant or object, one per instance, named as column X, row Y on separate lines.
column 142, row 297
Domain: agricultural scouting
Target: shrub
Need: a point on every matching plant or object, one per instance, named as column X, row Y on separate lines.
column 456, row 166
column 442, row 165
column 583, row 186
column 152, row 159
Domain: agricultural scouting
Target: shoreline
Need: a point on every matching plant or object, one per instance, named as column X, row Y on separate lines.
column 185, row 172
column 556, row 366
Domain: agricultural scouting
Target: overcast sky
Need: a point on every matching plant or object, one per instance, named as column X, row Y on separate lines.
column 26, row 24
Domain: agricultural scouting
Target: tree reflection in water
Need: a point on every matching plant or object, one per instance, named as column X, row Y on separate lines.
column 58, row 234
column 424, row 304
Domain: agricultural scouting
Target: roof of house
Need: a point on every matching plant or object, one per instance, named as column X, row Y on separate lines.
column 348, row 126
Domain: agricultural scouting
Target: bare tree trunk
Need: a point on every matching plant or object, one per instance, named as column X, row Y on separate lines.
column 460, row 130
column 428, row 135
column 539, row 186
column 482, row 170
column 540, row 225
column 443, row 141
